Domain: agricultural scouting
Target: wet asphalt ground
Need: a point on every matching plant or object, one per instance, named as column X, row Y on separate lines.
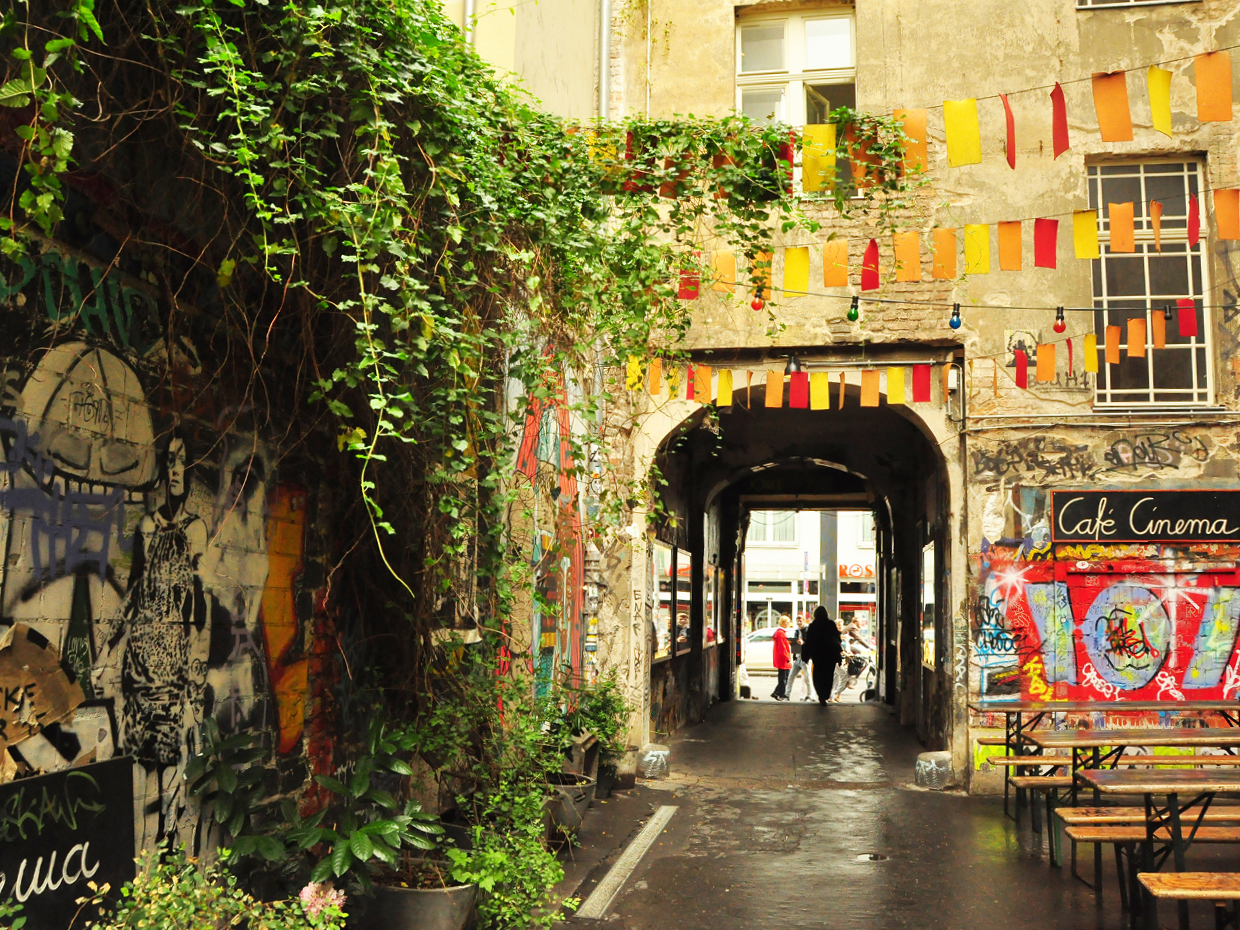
column 783, row 808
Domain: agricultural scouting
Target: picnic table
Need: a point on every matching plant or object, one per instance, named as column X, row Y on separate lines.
column 1203, row 785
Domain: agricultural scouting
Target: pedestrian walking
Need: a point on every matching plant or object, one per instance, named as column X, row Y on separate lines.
column 781, row 657
column 822, row 645
column 799, row 662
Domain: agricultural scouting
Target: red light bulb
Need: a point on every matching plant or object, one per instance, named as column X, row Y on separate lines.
column 757, row 304
column 1060, row 323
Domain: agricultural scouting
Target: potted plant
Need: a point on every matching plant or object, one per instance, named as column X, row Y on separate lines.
column 602, row 710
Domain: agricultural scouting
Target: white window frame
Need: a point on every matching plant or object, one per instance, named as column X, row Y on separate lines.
column 1103, row 397
column 793, row 77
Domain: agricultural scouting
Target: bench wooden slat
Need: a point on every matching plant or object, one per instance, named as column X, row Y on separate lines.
column 1136, row 834
column 1105, row 815
column 1042, row 782
column 991, row 741
column 1029, row 760
column 1179, row 760
column 1207, row 886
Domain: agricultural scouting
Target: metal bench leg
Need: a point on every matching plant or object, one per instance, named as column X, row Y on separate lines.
column 1035, row 815
column 1052, row 799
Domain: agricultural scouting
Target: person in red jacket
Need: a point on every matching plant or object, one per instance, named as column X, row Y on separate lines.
column 781, row 657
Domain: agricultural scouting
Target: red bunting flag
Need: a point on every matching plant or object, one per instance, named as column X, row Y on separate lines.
column 1194, row 220
column 690, row 383
column 690, row 281
column 921, row 384
column 1022, row 369
column 1188, row 318
column 1069, row 358
column 1045, row 243
column 869, row 267
column 1059, row 121
column 1010, row 147
column 798, row 389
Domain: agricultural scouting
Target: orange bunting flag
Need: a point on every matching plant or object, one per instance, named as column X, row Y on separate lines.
column 655, row 376
column 1156, row 212
column 1136, row 337
column 843, row 386
column 1227, row 213
column 1213, row 74
column 1091, row 353
column 1120, row 215
column 1113, row 336
column 1046, row 362
column 944, row 266
column 1158, row 328
column 760, row 273
column 774, row 388
column 724, row 267
column 701, row 384
column 913, row 122
column 907, row 255
column 869, row 387
column 835, row 263
column 1111, row 105
column 1009, row 246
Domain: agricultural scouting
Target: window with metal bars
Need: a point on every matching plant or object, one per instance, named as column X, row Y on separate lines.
column 1146, row 281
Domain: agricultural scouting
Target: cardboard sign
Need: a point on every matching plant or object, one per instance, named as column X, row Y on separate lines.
column 36, row 689
column 60, row 831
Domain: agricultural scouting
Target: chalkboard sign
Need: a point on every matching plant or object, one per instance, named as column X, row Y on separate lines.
column 1145, row 516
column 60, row 831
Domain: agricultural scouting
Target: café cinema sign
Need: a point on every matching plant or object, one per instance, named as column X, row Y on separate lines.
column 1145, row 516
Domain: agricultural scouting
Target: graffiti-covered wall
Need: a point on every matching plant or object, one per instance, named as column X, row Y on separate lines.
column 155, row 559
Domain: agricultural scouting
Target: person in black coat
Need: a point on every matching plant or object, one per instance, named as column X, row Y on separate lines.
column 823, row 646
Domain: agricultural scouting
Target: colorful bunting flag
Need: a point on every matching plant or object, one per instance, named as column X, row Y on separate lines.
column 796, row 270
column 701, row 383
column 1045, row 243
column 690, row 281
column 820, row 390
column 1113, row 337
column 1194, row 221
column 977, row 249
column 921, row 384
column 869, row 267
column 1059, row 121
column 724, row 391
column 690, row 384
column 835, row 263
column 633, row 373
column 1010, row 144
column 869, row 387
column 1111, row 105
column 1136, row 337
column 724, row 266
column 673, row 382
column 906, row 245
column 798, row 390
column 1046, row 362
column 654, row 376
column 774, row 388
column 1069, row 344
column 1010, row 249
column 843, row 386
column 1158, row 328
column 818, row 158
column 1227, row 213
column 1158, row 81
column 1213, row 74
column 1085, row 233
column 964, row 138
column 1121, row 217
column 1091, row 353
column 1187, row 314
column 760, row 273
column 1156, row 212
column 944, row 266
column 913, row 122
column 895, row 385
column 1022, row 369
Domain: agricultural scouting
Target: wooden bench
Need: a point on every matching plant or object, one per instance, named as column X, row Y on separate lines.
column 1056, row 761
column 1178, row 760
column 1048, row 786
column 1074, row 816
column 1219, row 887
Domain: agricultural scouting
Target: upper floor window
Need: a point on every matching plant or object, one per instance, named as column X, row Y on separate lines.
column 772, row 526
column 1143, row 282
column 796, row 68
column 867, row 531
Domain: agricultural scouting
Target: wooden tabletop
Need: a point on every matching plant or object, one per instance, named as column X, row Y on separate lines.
column 1126, row 736
column 1114, row 707
column 1154, row 781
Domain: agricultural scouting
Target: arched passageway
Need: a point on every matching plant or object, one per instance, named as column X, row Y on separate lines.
column 717, row 467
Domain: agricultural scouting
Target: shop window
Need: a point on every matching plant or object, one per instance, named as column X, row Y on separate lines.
column 662, row 565
column 1138, row 284
column 712, row 606
column 774, row 527
column 684, row 593
column 795, row 69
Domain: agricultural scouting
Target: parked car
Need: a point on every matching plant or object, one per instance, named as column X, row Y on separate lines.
column 759, row 646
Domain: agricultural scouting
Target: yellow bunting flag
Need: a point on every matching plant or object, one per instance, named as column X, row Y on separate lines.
column 633, row 376
column 1046, row 362
column 1213, row 75
column 1156, row 212
column 673, row 382
column 724, row 266
column 907, row 255
column 835, row 263
column 843, row 385
column 913, row 122
column 701, row 384
column 977, row 249
column 820, row 390
column 724, row 398
column 944, row 267
column 1136, row 337
column 1085, row 233
column 1159, row 82
column 796, row 270
column 1120, row 215
column 655, row 377
column 1111, row 105
column 1091, row 352
column 1158, row 328
column 895, row 385
column 964, row 137
column 1227, row 213
column 1009, row 246
column 869, row 387
column 1113, row 337
column 774, row 388
column 818, row 158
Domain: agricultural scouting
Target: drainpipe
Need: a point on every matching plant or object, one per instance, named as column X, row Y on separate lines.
column 604, row 59
column 469, row 22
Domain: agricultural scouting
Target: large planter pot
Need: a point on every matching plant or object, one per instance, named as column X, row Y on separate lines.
column 570, row 796
column 394, row 908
